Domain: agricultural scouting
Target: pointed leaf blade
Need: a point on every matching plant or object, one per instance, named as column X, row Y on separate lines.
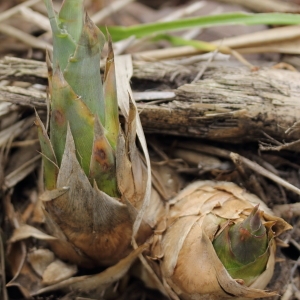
column 83, row 69
column 111, row 99
column 49, row 158
column 67, row 107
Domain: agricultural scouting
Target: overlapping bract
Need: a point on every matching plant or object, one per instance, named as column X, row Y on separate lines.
column 91, row 190
column 77, row 96
column 188, row 261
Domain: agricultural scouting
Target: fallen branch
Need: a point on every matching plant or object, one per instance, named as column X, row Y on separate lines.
column 230, row 103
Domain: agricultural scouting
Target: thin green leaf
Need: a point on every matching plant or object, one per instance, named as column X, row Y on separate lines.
column 179, row 41
column 119, row 32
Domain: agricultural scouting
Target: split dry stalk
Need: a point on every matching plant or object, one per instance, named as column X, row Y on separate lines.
column 230, row 103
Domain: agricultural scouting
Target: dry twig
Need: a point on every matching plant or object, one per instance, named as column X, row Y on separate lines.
column 238, row 159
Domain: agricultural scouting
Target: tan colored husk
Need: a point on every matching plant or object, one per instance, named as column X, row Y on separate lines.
column 188, row 262
column 92, row 227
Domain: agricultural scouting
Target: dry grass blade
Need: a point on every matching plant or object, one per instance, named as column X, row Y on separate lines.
column 6, row 108
column 287, row 211
column 177, row 14
column 14, row 130
column 288, row 294
column 23, row 69
column 284, row 47
column 24, row 91
column 262, row 38
column 149, row 96
column 10, row 12
column 183, row 12
column 24, row 37
column 110, row 9
column 36, row 18
column 20, row 173
column 266, row 5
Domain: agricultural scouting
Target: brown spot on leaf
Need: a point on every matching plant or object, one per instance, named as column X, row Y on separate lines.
column 59, row 117
column 100, row 153
column 244, row 234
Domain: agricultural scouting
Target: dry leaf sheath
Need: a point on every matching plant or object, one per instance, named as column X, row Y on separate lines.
column 96, row 181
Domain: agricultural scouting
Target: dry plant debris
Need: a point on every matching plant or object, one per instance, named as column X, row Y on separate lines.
column 232, row 124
